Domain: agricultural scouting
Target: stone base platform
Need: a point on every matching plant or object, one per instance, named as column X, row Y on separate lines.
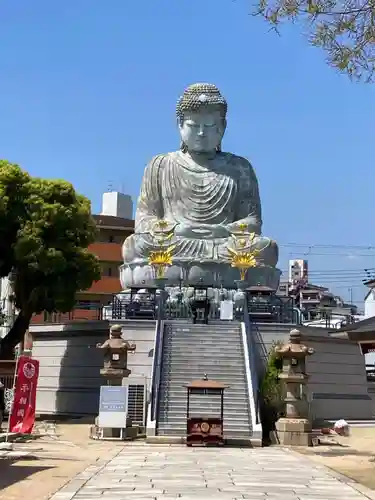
column 294, row 432
column 208, row 273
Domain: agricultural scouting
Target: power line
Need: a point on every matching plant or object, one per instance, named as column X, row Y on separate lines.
column 367, row 271
column 328, row 245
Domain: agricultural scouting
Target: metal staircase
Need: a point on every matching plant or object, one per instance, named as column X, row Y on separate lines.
column 191, row 351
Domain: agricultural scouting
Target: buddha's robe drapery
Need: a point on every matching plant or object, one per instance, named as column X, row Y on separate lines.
column 183, row 193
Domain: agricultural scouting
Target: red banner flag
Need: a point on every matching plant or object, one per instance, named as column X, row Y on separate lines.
column 22, row 417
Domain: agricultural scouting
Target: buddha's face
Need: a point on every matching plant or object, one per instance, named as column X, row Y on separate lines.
column 203, row 131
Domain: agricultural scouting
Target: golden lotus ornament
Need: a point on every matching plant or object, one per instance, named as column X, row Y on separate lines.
column 160, row 259
column 243, row 261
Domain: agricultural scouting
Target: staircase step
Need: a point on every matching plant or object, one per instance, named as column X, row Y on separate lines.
column 234, row 400
column 184, row 354
column 180, row 428
column 179, row 391
column 204, row 352
column 166, row 414
column 189, row 351
column 180, row 421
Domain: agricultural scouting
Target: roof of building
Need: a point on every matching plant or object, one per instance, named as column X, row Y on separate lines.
column 361, row 331
column 111, row 221
column 365, row 326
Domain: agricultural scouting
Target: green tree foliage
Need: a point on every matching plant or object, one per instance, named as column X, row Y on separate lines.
column 344, row 30
column 270, row 386
column 271, row 401
column 45, row 229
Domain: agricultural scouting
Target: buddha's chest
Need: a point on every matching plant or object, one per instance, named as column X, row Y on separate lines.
column 200, row 184
column 199, row 195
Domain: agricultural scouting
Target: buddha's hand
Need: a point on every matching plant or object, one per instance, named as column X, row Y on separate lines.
column 197, row 231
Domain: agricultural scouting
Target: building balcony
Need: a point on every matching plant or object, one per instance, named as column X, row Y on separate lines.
column 107, row 252
column 106, row 285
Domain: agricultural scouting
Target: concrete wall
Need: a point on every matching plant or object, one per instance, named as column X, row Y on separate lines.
column 69, row 378
column 337, row 385
column 370, row 304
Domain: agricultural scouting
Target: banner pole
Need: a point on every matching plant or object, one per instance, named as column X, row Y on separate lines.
column 14, row 392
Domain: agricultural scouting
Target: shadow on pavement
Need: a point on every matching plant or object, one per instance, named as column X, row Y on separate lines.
column 12, row 471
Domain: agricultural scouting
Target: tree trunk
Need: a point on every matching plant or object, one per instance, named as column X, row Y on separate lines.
column 15, row 335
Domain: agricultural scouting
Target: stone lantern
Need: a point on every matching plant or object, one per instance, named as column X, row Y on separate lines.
column 295, row 428
column 115, row 356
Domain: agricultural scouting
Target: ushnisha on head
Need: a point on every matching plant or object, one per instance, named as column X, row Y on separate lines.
column 201, row 117
column 115, row 331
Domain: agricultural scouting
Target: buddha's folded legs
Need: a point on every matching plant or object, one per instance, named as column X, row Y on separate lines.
column 267, row 252
column 202, row 260
column 137, row 248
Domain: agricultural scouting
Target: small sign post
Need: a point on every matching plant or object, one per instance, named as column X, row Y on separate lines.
column 113, row 407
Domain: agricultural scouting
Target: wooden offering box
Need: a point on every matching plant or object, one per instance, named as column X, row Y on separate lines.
column 205, row 429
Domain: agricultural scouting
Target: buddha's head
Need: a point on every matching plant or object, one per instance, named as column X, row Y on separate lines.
column 201, row 117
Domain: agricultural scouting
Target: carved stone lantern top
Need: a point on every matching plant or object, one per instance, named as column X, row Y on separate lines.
column 294, row 348
column 115, row 354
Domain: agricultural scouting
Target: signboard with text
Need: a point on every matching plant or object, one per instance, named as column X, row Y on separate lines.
column 367, row 348
column 226, row 310
column 22, row 416
column 113, row 406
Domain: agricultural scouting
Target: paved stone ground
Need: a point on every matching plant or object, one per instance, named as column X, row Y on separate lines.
column 147, row 472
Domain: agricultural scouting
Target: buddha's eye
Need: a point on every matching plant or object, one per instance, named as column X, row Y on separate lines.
column 192, row 124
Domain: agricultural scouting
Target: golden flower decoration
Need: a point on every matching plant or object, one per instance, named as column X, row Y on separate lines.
column 243, row 260
column 242, row 226
column 161, row 257
column 161, row 224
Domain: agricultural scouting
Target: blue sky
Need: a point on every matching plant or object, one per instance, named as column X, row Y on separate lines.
column 88, row 91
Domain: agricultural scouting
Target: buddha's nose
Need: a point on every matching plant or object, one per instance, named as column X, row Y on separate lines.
column 201, row 132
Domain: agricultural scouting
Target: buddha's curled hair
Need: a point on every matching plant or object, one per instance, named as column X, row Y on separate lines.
column 198, row 96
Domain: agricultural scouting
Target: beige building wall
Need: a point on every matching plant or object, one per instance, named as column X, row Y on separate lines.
column 337, row 386
column 69, row 380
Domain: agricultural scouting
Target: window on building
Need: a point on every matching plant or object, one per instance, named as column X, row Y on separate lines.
column 109, row 270
column 111, row 238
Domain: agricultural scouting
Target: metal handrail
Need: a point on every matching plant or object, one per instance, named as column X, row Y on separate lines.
column 157, row 364
column 253, row 365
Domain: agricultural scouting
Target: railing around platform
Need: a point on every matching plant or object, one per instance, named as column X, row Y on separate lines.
column 272, row 309
column 131, row 305
column 144, row 304
column 77, row 314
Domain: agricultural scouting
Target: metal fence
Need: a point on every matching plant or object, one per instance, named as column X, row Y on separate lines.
column 272, row 309
column 147, row 304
